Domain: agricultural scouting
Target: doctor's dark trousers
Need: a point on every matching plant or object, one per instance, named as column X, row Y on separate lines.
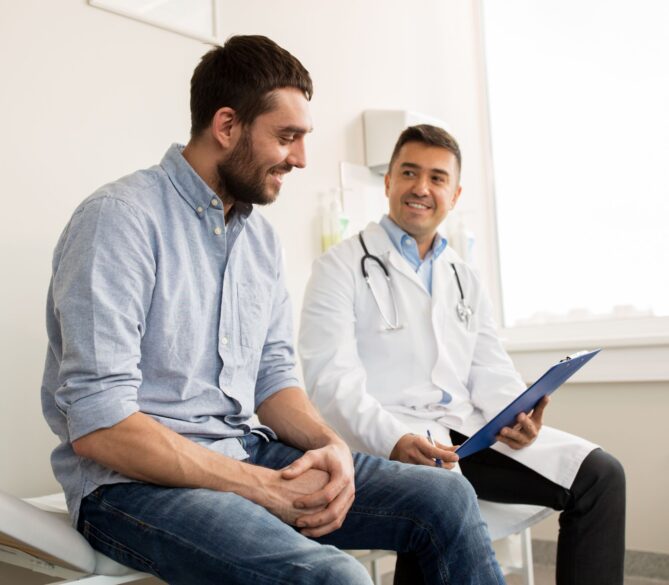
column 591, row 542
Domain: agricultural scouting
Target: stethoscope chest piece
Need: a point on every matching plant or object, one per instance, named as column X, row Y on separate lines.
column 464, row 312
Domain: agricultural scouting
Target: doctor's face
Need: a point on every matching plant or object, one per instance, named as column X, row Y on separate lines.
column 422, row 187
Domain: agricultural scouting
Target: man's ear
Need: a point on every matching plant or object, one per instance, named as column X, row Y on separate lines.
column 386, row 182
column 222, row 125
column 456, row 196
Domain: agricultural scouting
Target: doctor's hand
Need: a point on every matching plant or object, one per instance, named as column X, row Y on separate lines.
column 326, row 508
column 526, row 429
column 418, row 450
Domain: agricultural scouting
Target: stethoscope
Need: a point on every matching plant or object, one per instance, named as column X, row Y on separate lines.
column 462, row 309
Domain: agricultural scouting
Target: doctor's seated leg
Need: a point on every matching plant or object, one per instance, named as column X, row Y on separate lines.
column 591, row 542
column 591, row 546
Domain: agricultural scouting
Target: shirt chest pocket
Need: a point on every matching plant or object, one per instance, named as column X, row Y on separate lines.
column 254, row 303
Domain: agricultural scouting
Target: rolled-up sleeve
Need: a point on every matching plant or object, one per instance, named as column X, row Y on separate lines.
column 101, row 294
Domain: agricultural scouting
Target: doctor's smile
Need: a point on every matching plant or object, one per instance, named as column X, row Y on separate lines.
column 417, row 205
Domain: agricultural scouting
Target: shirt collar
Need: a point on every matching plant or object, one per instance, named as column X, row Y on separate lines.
column 405, row 244
column 191, row 187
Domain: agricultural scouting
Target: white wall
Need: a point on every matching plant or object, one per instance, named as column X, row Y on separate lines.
column 88, row 96
column 85, row 98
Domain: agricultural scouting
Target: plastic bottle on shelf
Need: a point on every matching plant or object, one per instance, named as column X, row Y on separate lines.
column 334, row 221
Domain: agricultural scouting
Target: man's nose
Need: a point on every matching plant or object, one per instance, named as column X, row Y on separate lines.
column 421, row 186
column 298, row 155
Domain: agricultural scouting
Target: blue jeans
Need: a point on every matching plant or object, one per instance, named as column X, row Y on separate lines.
column 199, row 536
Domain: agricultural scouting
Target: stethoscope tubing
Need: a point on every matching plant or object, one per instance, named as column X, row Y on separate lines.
column 391, row 326
column 463, row 310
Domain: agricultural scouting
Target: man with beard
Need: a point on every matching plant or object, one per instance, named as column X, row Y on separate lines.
column 169, row 326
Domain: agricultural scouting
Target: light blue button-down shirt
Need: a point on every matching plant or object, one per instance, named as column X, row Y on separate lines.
column 156, row 305
column 408, row 248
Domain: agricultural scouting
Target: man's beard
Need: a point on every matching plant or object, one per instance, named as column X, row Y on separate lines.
column 241, row 177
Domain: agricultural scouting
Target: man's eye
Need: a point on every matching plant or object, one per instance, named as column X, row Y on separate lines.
column 408, row 173
column 286, row 139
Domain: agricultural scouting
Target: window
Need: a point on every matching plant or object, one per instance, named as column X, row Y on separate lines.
column 579, row 113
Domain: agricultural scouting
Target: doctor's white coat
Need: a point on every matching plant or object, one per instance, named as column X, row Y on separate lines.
column 373, row 385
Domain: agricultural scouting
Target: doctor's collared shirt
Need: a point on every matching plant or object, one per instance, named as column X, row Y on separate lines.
column 408, row 248
column 156, row 305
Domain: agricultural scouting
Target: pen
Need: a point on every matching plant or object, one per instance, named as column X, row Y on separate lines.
column 437, row 461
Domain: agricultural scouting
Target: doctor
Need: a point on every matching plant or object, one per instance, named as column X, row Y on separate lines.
column 397, row 337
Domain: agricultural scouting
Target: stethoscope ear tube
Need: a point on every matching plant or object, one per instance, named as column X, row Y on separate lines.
column 391, row 325
column 368, row 256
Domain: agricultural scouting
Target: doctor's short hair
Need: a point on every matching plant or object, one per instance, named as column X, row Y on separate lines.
column 430, row 136
column 242, row 74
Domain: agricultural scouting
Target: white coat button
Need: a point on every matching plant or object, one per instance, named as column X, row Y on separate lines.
column 218, row 231
column 214, row 202
column 224, row 341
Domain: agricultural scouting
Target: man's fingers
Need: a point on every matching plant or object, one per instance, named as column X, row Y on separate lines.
column 424, row 454
column 322, row 530
column 322, row 497
column 297, row 467
column 449, row 456
column 443, row 452
column 527, row 427
column 334, row 512
column 510, row 442
column 508, row 435
column 447, row 453
column 319, row 524
column 538, row 414
column 446, row 447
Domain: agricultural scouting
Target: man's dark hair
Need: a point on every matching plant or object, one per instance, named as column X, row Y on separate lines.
column 430, row 136
column 241, row 75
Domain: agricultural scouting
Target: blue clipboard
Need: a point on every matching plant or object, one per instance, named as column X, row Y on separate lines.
column 552, row 379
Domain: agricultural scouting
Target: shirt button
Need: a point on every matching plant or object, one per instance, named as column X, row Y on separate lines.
column 224, row 341
column 200, row 209
column 214, row 202
column 218, row 231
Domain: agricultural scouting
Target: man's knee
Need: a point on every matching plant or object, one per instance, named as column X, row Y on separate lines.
column 446, row 491
column 455, row 487
column 339, row 568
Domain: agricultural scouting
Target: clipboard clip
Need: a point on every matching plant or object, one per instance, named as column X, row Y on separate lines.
column 574, row 355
